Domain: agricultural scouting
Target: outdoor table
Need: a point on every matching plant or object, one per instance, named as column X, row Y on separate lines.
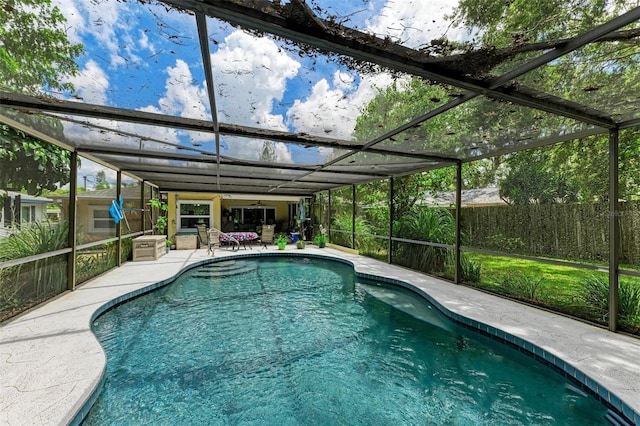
column 240, row 236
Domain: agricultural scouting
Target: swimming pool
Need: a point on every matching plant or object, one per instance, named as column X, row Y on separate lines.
column 303, row 341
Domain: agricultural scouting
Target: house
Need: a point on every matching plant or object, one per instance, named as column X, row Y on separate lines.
column 92, row 212
column 489, row 196
column 22, row 208
column 229, row 212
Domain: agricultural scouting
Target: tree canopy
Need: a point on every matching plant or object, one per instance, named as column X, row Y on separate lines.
column 29, row 164
column 35, row 52
column 594, row 75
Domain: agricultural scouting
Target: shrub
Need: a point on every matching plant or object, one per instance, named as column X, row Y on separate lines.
column 524, row 287
column 34, row 238
column 280, row 239
column 470, row 269
column 343, row 222
column 24, row 285
column 503, row 243
column 436, row 225
column 594, row 294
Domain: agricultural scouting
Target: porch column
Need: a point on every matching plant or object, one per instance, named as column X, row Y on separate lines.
column 353, row 216
column 73, row 201
column 119, row 224
column 391, row 211
column 614, row 230
column 458, row 273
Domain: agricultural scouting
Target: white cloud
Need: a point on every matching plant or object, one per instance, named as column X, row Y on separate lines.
column 415, row 23
column 92, row 17
column 332, row 111
column 182, row 98
column 91, row 84
column 250, row 76
column 143, row 42
column 116, row 26
column 332, row 108
column 343, row 80
column 75, row 20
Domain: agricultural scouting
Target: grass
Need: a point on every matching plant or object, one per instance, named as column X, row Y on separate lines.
column 560, row 284
column 559, row 288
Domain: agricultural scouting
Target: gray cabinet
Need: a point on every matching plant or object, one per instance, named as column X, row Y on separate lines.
column 148, row 247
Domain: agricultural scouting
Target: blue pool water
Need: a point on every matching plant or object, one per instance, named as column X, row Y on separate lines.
column 301, row 341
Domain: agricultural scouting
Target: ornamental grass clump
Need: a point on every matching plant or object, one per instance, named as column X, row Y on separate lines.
column 594, row 294
column 436, row 225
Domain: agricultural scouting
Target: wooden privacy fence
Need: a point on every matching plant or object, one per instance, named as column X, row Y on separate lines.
column 565, row 231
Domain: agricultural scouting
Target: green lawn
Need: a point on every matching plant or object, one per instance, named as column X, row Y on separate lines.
column 559, row 286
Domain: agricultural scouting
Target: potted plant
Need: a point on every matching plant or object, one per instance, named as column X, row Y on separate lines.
column 168, row 243
column 321, row 239
column 300, row 244
column 281, row 241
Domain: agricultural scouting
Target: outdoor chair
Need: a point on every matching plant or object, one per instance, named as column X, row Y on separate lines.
column 267, row 234
column 209, row 238
column 203, row 237
column 214, row 240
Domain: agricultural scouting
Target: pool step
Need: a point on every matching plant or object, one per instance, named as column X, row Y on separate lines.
column 616, row 419
column 410, row 304
column 225, row 269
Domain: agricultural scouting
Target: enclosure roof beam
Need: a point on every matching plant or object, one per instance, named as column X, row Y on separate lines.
column 296, row 22
column 134, row 153
column 35, row 104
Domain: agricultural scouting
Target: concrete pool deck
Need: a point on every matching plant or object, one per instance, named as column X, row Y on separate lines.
column 51, row 363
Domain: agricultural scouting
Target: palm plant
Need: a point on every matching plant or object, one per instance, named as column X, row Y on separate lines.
column 344, row 222
column 436, row 225
column 23, row 285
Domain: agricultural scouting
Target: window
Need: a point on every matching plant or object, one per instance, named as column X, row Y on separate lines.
column 28, row 214
column 100, row 220
column 192, row 213
column 250, row 217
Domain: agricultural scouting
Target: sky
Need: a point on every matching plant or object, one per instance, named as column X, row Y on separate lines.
column 141, row 57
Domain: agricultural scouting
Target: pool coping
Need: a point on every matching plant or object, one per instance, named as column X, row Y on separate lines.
column 42, row 384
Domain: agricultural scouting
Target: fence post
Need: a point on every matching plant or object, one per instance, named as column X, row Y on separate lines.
column 614, row 248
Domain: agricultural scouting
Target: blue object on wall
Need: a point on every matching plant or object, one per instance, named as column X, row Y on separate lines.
column 116, row 210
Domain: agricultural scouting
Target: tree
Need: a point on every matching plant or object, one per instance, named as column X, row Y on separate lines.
column 603, row 75
column 503, row 23
column 35, row 50
column 530, row 180
column 30, row 164
column 101, row 181
column 35, row 53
